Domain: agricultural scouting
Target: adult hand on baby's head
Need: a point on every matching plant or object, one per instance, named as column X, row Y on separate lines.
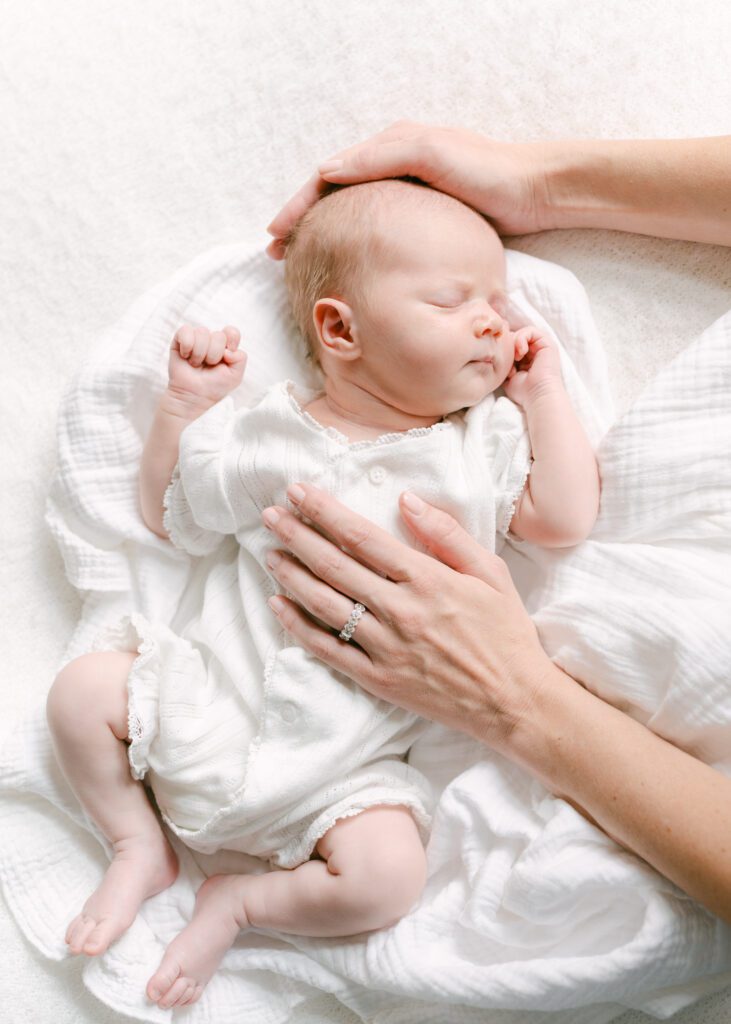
column 205, row 364
column 537, row 367
column 503, row 180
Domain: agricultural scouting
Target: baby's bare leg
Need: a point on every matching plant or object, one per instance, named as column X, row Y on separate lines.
column 87, row 717
column 373, row 872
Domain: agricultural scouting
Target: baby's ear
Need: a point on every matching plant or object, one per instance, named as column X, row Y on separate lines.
column 333, row 320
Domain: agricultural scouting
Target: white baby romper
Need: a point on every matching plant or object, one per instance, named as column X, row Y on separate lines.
column 247, row 741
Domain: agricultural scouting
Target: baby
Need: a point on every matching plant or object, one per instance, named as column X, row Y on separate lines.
column 248, row 742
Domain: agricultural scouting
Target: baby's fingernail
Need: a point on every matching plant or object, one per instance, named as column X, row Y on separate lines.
column 273, row 559
column 295, row 493
column 412, row 503
column 270, row 516
column 154, row 993
column 330, row 166
column 276, row 604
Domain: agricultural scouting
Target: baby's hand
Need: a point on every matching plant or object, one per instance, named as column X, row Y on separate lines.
column 537, row 367
column 205, row 364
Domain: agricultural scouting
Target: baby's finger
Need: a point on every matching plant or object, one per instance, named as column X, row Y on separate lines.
column 521, row 345
column 185, row 339
column 233, row 336
column 216, row 348
column 202, row 336
column 232, row 358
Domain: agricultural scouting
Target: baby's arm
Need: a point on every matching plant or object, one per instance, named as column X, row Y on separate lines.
column 203, row 368
column 560, row 502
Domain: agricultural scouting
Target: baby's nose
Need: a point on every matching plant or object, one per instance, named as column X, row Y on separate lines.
column 489, row 323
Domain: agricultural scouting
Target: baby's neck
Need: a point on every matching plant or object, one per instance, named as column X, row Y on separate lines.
column 360, row 415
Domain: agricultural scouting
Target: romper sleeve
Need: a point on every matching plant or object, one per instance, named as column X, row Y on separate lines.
column 203, row 502
column 509, row 458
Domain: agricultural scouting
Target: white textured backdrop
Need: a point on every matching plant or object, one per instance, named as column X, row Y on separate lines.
column 135, row 136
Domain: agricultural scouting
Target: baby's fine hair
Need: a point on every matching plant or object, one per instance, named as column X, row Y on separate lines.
column 332, row 246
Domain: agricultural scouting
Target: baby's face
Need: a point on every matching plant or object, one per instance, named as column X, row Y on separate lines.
column 433, row 335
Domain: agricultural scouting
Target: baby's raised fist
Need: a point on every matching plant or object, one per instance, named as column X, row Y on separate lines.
column 205, row 364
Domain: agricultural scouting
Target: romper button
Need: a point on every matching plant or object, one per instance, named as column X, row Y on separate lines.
column 377, row 475
column 288, row 712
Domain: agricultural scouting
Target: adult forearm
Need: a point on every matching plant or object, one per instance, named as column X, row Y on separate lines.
column 160, row 453
column 653, row 798
column 672, row 188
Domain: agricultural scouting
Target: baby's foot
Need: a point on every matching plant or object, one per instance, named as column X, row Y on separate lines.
column 193, row 956
column 142, row 866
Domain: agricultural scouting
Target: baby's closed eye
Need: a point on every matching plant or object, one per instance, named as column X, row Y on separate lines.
column 447, row 299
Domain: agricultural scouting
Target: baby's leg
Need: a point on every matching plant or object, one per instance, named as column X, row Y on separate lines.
column 87, row 717
column 373, row 871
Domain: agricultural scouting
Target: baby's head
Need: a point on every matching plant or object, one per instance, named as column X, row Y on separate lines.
column 400, row 289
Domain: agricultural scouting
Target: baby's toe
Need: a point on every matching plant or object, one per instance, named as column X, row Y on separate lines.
column 163, row 979
column 188, row 996
column 197, row 993
column 175, row 994
column 98, row 940
column 78, row 932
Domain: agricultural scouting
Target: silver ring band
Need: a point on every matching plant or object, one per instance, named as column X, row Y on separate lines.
column 349, row 628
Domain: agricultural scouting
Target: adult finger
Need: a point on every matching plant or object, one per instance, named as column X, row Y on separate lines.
column 328, row 562
column 444, row 538
column 296, row 207
column 343, row 656
column 376, row 160
column 331, row 607
column 276, row 250
column 313, row 188
column 356, row 535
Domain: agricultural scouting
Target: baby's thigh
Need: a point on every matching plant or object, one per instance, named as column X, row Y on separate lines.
column 91, row 690
column 380, row 853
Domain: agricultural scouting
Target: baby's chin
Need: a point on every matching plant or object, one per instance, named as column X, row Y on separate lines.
column 485, row 383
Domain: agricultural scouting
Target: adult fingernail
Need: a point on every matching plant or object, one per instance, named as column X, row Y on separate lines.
column 295, row 493
column 276, row 604
column 415, row 505
column 270, row 516
column 330, row 166
column 273, row 559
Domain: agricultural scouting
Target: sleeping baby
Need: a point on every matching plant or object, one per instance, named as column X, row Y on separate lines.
column 247, row 741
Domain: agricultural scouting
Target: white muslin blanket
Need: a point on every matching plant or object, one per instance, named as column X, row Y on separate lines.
column 529, row 913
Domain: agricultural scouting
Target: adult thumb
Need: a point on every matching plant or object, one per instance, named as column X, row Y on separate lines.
column 373, row 161
column 443, row 537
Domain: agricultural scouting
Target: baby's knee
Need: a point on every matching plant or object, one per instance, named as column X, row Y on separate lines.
column 385, row 879
column 397, row 881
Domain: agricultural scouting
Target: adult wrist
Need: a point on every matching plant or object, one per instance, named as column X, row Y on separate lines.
column 573, row 172
column 539, row 733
